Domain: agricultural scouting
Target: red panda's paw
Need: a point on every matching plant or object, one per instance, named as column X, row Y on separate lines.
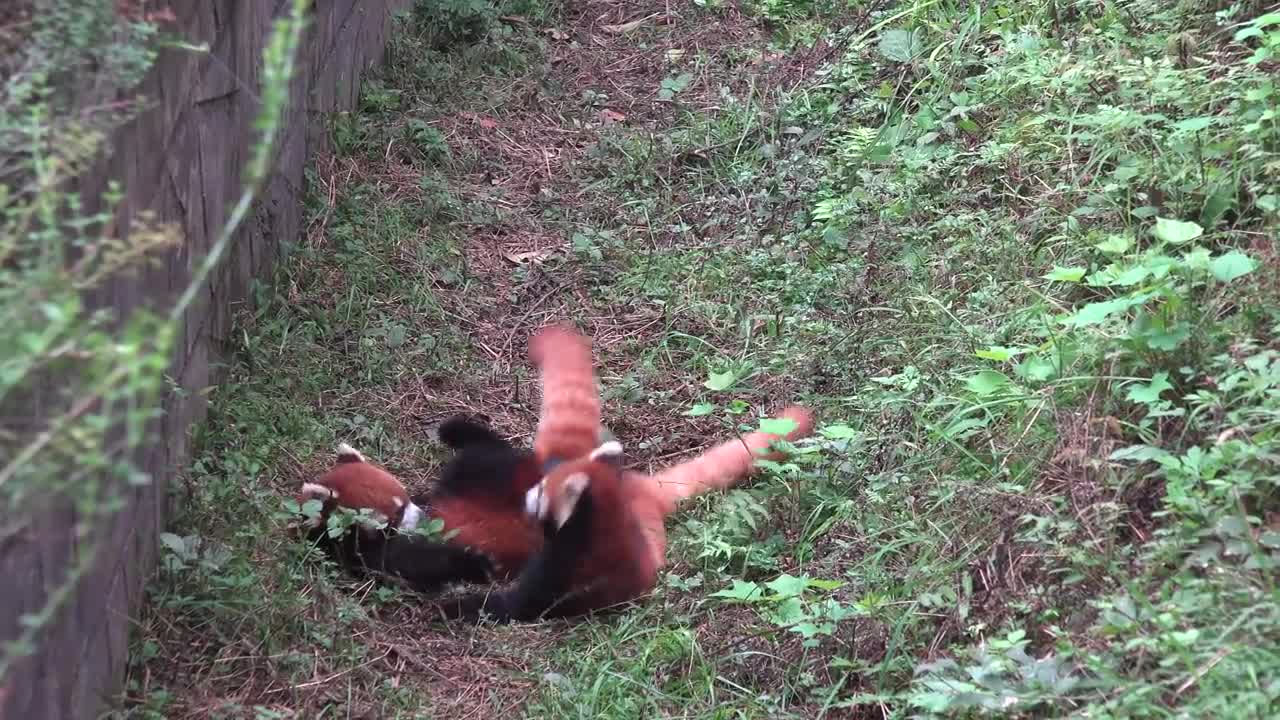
column 802, row 417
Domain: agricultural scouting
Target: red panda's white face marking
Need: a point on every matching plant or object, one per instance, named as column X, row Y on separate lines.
column 538, row 501
column 560, row 499
column 315, row 491
column 412, row 516
column 570, row 493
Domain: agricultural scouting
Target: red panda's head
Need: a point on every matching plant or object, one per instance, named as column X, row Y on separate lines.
column 356, row 484
column 557, row 497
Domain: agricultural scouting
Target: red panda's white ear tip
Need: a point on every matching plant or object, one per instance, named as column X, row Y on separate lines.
column 347, row 454
column 610, row 451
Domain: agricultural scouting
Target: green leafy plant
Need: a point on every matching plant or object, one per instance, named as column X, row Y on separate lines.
column 787, row 602
column 672, row 86
column 998, row 676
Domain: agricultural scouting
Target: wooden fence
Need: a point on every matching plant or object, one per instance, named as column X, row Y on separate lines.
column 184, row 160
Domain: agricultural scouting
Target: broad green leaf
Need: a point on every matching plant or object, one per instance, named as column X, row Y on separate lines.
column 1217, row 204
column 786, row 585
column 789, row 610
column 820, row 584
column 1176, row 232
column 1197, row 259
column 999, row 353
column 1254, row 28
column 1097, row 312
column 1067, row 274
column 1161, row 265
column 839, row 432
column 900, row 45
column 1194, row 124
column 777, row 426
column 986, row 382
column 1232, row 526
column 700, row 409
column 1143, row 453
column 1115, row 244
column 742, row 591
column 1159, row 337
column 1149, row 393
column 719, row 381
column 1232, row 265
column 962, row 427
column 808, row 630
column 1037, row 368
column 174, row 543
column 1155, row 331
column 1131, row 276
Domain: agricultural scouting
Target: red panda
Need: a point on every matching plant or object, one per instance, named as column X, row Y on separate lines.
column 357, row 484
column 480, row 495
column 604, row 528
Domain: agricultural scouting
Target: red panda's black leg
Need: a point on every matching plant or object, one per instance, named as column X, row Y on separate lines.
column 424, row 565
column 484, row 468
column 427, row 565
column 544, row 585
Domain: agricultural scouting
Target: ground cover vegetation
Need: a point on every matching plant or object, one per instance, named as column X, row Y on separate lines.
column 1020, row 255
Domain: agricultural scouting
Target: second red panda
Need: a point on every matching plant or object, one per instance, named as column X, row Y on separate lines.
column 479, row 497
column 605, row 528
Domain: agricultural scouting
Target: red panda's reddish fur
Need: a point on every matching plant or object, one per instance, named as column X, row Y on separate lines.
column 606, row 527
column 500, row 529
column 357, row 484
column 569, row 419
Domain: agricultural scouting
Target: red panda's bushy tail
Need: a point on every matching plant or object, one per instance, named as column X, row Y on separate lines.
column 569, row 420
column 724, row 465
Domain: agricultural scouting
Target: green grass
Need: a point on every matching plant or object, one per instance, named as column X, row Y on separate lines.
column 1021, row 257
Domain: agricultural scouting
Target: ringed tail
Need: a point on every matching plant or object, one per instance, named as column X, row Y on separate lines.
column 721, row 467
column 569, row 419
